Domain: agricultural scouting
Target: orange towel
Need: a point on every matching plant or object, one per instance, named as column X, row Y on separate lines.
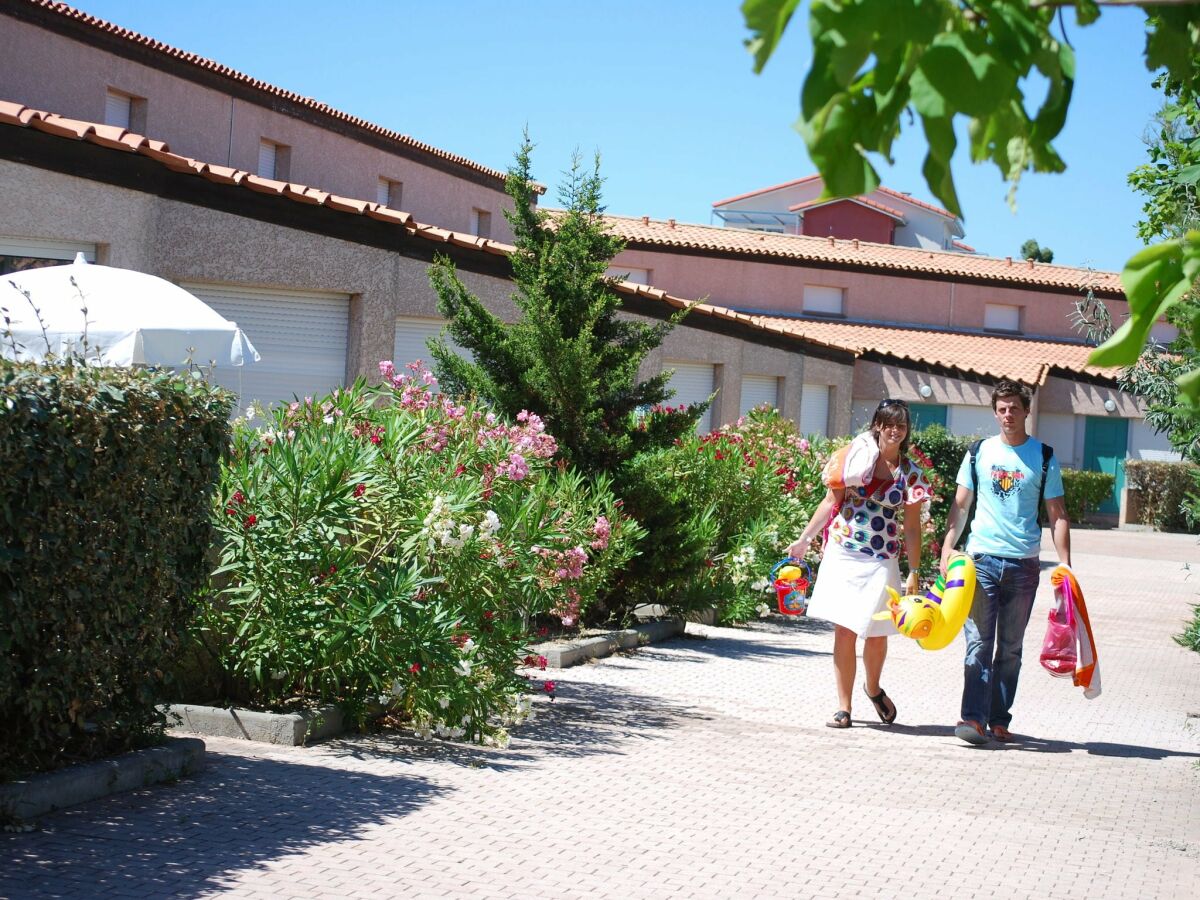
column 1087, row 671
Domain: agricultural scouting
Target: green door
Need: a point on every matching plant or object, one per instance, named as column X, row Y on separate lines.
column 1105, row 441
column 926, row 414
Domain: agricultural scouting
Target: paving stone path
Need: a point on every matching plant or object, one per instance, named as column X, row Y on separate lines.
column 702, row 768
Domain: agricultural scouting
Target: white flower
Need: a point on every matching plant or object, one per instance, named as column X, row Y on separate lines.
column 761, row 585
column 251, row 410
column 466, row 720
column 443, row 701
column 463, row 667
column 763, row 610
column 465, row 532
column 468, row 645
column 328, row 420
column 397, row 688
column 490, row 524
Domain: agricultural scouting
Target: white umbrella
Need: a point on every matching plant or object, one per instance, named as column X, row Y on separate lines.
column 132, row 319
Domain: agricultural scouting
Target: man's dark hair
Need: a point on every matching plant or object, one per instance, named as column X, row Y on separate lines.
column 1006, row 389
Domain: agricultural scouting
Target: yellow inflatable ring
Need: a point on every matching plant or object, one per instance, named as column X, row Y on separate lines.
column 934, row 619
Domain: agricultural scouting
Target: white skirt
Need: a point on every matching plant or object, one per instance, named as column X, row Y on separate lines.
column 851, row 587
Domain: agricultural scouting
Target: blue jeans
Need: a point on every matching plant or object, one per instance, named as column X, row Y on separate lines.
column 1004, row 590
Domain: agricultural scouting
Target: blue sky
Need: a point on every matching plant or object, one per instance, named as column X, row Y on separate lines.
column 665, row 91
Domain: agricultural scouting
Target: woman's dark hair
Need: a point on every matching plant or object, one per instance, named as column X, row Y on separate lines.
column 893, row 412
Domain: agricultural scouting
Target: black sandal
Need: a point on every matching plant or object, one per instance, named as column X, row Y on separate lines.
column 841, row 719
column 881, row 701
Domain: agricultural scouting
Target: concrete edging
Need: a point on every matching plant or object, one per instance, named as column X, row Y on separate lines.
column 562, row 656
column 48, row 791
column 289, row 729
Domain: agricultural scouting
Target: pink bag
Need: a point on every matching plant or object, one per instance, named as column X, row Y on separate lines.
column 1058, row 648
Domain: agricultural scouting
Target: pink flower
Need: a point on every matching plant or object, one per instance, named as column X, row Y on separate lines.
column 548, row 687
column 359, row 490
column 414, row 668
column 603, row 531
column 804, row 445
column 541, row 661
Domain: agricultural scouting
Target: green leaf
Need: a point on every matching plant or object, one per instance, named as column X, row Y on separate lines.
column 1086, row 12
column 1189, row 386
column 1154, row 280
column 766, row 20
column 961, row 67
column 1188, row 175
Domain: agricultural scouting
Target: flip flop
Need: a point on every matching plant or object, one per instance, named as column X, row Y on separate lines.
column 882, row 701
column 841, row 719
column 1001, row 734
column 971, row 732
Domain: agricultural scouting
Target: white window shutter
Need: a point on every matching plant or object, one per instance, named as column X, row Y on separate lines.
column 118, row 109
column 1001, row 317
column 629, row 273
column 758, row 390
column 266, row 159
column 819, row 299
column 692, row 383
column 814, row 409
column 411, row 335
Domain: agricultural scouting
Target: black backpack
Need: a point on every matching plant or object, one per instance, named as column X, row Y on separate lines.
column 973, row 451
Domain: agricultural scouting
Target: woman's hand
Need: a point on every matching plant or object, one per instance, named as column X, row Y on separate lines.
column 799, row 547
column 913, row 584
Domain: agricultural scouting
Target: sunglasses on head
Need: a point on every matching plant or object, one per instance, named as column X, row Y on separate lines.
column 889, row 402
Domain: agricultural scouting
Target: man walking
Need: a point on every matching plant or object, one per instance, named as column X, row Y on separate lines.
column 1007, row 476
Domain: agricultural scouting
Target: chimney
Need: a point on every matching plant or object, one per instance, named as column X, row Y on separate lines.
column 671, row 223
column 856, row 243
column 645, row 220
column 1009, row 258
column 832, row 241
column 1031, row 262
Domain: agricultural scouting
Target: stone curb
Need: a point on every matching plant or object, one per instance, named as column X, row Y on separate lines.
column 289, row 729
column 46, row 792
column 562, row 656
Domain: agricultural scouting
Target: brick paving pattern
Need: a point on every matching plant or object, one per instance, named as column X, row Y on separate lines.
column 702, row 768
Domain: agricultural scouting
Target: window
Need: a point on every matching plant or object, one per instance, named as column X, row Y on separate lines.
column 481, row 223
column 825, row 301
column 273, row 160
column 814, row 409
column 124, row 110
column 388, row 193
column 410, row 342
column 999, row 317
column 18, row 254
column 629, row 273
column 759, row 390
column 692, row 383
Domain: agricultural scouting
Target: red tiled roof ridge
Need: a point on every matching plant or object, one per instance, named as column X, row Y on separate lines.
column 865, row 201
column 853, row 251
column 900, row 195
column 766, row 190
column 217, row 68
column 17, row 114
column 1027, row 359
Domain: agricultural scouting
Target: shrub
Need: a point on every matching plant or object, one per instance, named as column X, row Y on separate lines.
column 1164, row 489
column 734, row 499
column 1084, row 491
column 105, row 486
column 389, row 541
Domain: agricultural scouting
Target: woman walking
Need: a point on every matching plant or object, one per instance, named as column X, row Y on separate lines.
column 873, row 505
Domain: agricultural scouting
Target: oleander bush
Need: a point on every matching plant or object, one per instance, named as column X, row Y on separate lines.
column 390, row 542
column 943, row 452
column 106, row 479
column 1084, row 491
column 1165, row 490
column 738, row 497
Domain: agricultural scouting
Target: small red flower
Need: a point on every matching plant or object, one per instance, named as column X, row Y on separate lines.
column 251, row 520
column 239, row 497
column 529, row 661
column 548, row 687
column 376, row 439
column 541, row 661
column 489, row 615
column 543, row 631
column 230, row 511
column 710, row 563
column 459, row 469
column 333, row 570
column 359, row 490
column 414, row 668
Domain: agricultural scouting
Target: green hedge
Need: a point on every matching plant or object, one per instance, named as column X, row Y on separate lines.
column 945, row 451
column 1164, row 489
column 105, row 485
column 1084, row 491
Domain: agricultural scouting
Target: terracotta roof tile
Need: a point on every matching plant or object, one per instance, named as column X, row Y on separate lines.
column 269, row 90
column 899, row 195
column 263, row 185
column 987, row 355
column 857, row 254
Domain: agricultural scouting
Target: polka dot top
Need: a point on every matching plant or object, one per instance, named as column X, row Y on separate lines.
column 867, row 523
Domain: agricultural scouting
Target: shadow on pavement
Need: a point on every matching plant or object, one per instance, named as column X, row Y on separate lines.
column 584, row 720
column 178, row 841
column 1040, row 745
